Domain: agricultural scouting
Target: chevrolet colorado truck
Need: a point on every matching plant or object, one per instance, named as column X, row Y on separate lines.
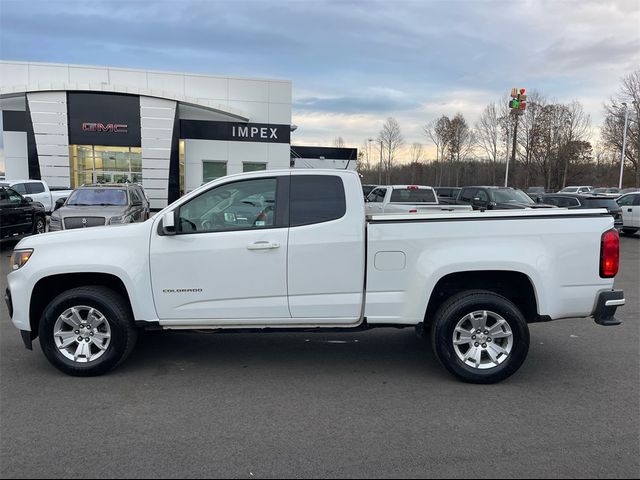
column 294, row 250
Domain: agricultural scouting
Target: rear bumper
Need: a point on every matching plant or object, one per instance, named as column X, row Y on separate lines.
column 606, row 306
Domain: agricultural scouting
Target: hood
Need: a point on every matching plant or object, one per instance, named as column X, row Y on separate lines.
column 516, row 205
column 92, row 211
column 94, row 236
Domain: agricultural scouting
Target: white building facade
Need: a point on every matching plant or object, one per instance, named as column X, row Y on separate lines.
column 70, row 125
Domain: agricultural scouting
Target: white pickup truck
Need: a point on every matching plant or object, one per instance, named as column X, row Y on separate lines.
column 294, row 250
column 38, row 191
column 406, row 199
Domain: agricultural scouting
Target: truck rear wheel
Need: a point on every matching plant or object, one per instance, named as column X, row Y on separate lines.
column 87, row 331
column 480, row 336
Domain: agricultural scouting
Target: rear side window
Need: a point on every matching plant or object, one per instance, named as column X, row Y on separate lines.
column 420, row 195
column 467, row 194
column 35, row 187
column 316, row 199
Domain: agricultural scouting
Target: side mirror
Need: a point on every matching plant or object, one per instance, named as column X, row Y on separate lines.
column 59, row 203
column 28, row 199
column 169, row 223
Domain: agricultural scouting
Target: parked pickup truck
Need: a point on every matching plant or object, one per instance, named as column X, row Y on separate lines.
column 405, row 199
column 294, row 250
column 38, row 191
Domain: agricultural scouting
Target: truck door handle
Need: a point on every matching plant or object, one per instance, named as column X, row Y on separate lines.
column 629, row 209
column 263, row 246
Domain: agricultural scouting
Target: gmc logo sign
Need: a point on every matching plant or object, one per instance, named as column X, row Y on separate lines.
column 109, row 127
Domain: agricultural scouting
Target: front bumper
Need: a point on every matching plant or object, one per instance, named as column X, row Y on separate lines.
column 606, row 306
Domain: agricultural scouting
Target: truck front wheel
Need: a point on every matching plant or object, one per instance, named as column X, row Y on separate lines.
column 87, row 331
column 480, row 336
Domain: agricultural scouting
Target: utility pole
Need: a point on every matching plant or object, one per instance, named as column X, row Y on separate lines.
column 380, row 166
column 624, row 143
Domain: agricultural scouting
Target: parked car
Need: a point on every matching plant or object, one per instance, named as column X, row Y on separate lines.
column 630, row 205
column 102, row 204
column 403, row 199
column 447, row 195
column 579, row 189
column 20, row 216
column 629, row 190
column 574, row 200
column 496, row 198
column 609, row 191
column 474, row 280
column 39, row 191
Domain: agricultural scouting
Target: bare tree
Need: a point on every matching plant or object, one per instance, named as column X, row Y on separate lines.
column 417, row 156
column 391, row 141
column 612, row 129
column 338, row 142
column 437, row 131
column 577, row 128
column 460, row 142
column 488, row 135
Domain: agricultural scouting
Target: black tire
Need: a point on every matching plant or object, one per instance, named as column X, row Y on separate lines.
column 454, row 310
column 117, row 313
column 629, row 231
column 39, row 225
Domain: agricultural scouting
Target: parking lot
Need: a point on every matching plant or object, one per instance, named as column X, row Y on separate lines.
column 373, row 404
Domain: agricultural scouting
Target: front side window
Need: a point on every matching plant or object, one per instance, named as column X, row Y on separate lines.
column 626, row 200
column 316, row 199
column 213, row 170
column 20, row 188
column 245, row 205
column 14, row 197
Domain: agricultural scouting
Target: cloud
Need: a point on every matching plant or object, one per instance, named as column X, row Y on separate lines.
column 352, row 63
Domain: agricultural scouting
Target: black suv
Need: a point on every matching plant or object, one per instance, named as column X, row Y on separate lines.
column 20, row 216
column 575, row 200
column 496, row 198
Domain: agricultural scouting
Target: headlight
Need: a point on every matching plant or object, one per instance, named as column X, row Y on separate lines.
column 19, row 258
column 116, row 220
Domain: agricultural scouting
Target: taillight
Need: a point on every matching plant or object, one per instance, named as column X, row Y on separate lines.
column 610, row 254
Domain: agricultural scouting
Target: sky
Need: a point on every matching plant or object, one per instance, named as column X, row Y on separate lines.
column 352, row 63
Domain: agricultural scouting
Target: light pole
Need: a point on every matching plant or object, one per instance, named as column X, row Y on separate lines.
column 380, row 166
column 624, row 141
column 369, row 140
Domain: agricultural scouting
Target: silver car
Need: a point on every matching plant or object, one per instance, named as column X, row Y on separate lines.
column 98, row 205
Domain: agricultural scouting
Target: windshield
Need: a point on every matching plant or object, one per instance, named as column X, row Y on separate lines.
column 510, row 195
column 98, row 196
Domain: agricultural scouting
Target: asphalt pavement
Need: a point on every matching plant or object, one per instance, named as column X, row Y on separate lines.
column 373, row 404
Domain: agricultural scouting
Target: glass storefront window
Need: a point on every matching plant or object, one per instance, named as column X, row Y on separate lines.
column 253, row 167
column 213, row 170
column 100, row 164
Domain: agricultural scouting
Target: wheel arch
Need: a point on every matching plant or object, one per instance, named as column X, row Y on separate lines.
column 514, row 285
column 47, row 288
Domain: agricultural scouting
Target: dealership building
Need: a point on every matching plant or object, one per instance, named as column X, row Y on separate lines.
column 71, row 125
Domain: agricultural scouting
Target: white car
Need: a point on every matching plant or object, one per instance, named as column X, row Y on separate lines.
column 579, row 189
column 405, row 199
column 293, row 249
column 630, row 204
column 38, row 191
